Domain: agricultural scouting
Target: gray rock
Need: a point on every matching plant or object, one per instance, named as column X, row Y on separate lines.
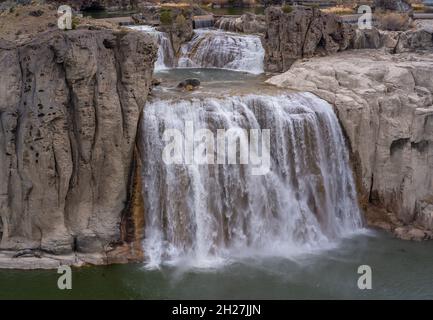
column 304, row 32
column 69, row 112
column 247, row 23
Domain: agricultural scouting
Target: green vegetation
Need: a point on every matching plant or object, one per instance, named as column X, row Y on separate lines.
column 180, row 20
column 287, row 8
column 165, row 16
column 75, row 22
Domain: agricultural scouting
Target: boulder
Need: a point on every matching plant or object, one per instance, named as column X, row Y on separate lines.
column 189, row 84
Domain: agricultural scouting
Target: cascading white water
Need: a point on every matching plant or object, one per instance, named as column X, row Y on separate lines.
column 204, row 214
column 166, row 57
column 225, row 50
column 210, row 49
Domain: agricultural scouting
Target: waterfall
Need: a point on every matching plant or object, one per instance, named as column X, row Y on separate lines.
column 210, row 49
column 209, row 214
column 225, row 50
column 166, row 56
column 206, row 21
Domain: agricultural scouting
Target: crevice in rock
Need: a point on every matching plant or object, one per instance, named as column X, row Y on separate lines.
column 132, row 223
column 398, row 145
column 372, row 197
column 420, row 146
column 117, row 60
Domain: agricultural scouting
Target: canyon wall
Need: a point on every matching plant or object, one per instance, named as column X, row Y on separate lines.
column 69, row 110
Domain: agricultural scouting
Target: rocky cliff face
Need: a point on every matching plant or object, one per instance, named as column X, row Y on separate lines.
column 247, row 23
column 300, row 33
column 69, row 110
column 385, row 105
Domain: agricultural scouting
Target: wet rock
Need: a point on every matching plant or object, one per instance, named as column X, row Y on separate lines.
column 156, row 82
column 410, row 233
column 189, row 84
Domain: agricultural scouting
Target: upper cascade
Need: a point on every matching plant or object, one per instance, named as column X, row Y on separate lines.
column 210, row 48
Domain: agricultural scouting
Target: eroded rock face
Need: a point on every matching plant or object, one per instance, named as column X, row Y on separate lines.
column 247, row 23
column 69, row 109
column 304, row 32
column 385, row 105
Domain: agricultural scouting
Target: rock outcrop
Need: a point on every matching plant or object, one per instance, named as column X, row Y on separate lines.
column 415, row 40
column 385, row 105
column 247, row 23
column 393, row 5
column 69, row 110
column 177, row 22
column 303, row 32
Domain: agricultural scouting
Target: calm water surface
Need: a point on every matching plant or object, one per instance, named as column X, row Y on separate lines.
column 401, row 269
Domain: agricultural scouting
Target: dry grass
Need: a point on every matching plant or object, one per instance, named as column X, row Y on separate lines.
column 176, row 5
column 340, row 10
column 418, row 6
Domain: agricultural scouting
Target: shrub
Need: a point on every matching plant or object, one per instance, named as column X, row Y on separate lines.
column 287, row 8
column 165, row 17
column 393, row 21
column 340, row 9
column 75, row 22
column 180, row 20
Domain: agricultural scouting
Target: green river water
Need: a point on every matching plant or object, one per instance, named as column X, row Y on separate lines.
column 401, row 269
